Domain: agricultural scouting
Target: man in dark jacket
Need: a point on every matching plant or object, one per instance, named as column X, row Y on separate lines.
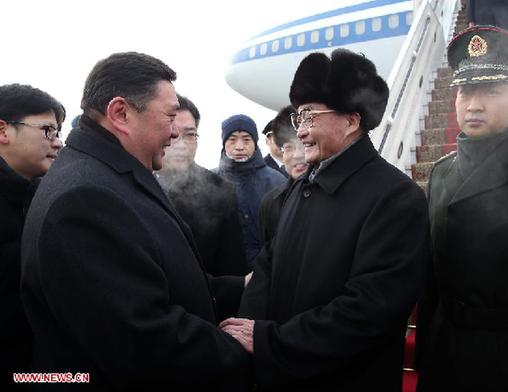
column 274, row 157
column 30, row 121
column 242, row 164
column 112, row 282
column 332, row 293
column 463, row 321
column 487, row 12
column 204, row 200
column 293, row 158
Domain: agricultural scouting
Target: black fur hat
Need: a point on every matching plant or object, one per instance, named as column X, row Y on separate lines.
column 347, row 83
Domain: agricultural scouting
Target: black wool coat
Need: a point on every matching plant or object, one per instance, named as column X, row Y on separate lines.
column 269, row 211
column 463, row 325
column 332, row 292
column 208, row 204
column 270, row 162
column 488, row 12
column 111, row 279
column 15, row 334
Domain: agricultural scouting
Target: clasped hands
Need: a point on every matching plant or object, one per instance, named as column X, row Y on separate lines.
column 242, row 330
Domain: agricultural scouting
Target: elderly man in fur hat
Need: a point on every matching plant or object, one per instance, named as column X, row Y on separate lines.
column 331, row 294
column 463, row 321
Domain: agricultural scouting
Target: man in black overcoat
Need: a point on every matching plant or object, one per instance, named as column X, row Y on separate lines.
column 112, row 281
column 327, row 306
column 205, row 200
column 274, row 157
column 487, row 12
column 30, row 121
column 462, row 332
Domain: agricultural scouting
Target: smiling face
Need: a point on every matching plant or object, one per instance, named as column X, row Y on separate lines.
column 26, row 148
column 324, row 134
column 153, row 128
column 239, row 146
column 482, row 109
column 293, row 156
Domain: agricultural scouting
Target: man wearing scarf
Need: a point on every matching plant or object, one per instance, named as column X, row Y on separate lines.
column 242, row 164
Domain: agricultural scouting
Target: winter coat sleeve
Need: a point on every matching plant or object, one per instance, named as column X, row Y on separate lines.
column 254, row 302
column 227, row 292
column 231, row 252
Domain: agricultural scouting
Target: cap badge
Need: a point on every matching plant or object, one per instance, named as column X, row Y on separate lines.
column 477, row 46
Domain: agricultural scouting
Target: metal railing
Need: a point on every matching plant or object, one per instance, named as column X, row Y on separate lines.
column 410, row 80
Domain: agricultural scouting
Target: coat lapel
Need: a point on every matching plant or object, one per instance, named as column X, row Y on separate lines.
column 492, row 173
column 345, row 165
column 102, row 145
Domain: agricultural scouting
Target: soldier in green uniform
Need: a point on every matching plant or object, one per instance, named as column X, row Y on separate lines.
column 463, row 321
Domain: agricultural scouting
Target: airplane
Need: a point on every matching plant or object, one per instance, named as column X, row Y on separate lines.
column 376, row 28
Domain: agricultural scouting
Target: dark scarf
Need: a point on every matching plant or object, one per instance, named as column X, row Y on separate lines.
column 472, row 151
column 230, row 168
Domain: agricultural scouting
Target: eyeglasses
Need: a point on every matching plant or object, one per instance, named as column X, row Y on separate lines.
column 50, row 132
column 290, row 148
column 188, row 136
column 306, row 116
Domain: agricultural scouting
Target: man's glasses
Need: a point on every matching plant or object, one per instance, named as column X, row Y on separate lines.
column 306, row 116
column 50, row 132
column 188, row 136
column 290, row 148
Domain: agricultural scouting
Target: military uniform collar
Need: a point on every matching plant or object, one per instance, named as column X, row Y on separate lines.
column 490, row 174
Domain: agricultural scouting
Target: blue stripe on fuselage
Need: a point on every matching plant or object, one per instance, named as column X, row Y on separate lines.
column 329, row 14
column 369, row 35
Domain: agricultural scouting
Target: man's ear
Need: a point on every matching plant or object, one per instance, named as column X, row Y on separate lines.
column 4, row 136
column 117, row 114
column 353, row 121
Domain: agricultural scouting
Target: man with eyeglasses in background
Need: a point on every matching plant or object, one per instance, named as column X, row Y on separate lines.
column 274, row 157
column 205, row 200
column 30, row 122
column 293, row 158
column 327, row 306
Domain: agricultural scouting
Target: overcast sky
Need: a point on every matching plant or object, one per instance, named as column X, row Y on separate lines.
column 53, row 45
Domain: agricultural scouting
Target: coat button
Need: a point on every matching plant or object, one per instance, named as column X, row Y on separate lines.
column 246, row 216
column 306, row 193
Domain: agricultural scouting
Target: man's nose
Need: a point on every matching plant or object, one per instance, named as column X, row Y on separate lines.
column 475, row 102
column 301, row 132
column 56, row 143
column 175, row 132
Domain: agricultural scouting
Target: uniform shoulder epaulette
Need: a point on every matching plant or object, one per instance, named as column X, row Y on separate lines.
column 445, row 157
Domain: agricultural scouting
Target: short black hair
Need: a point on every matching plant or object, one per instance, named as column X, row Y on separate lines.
column 20, row 100
column 187, row 104
column 267, row 129
column 283, row 130
column 131, row 75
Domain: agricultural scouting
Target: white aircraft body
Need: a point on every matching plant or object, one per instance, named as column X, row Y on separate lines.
column 262, row 70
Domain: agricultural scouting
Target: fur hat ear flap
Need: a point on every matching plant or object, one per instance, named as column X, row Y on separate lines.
column 310, row 80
